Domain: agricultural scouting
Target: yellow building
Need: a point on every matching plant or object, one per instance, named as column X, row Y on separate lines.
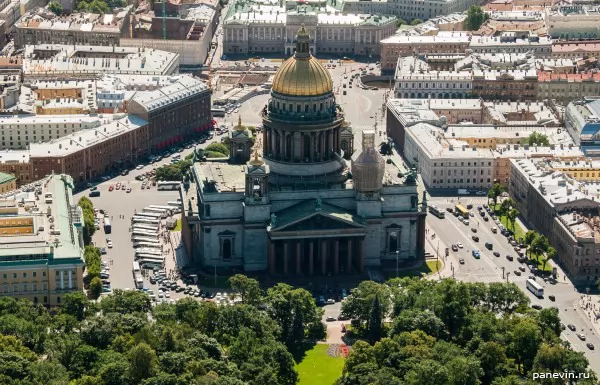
column 582, row 170
column 42, row 254
column 8, row 183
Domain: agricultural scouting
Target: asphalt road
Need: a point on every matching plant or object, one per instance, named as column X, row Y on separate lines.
column 489, row 269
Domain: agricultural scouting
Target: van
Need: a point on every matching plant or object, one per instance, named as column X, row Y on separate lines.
column 494, row 230
column 94, row 193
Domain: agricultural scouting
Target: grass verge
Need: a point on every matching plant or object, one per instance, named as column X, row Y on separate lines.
column 316, row 367
column 177, row 226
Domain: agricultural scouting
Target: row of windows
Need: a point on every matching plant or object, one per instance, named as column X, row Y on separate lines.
column 24, row 274
column 462, row 172
column 461, row 163
column 437, row 85
column 474, row 180
column 23, row 288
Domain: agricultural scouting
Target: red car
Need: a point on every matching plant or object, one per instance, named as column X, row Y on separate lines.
column 111, row 188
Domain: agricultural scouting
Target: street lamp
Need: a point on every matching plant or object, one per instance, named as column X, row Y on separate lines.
column 397, row 255
column 502, row 271
column 507, row 274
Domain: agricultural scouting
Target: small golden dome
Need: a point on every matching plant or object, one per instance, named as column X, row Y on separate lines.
column 256, row 161
column 302, row 74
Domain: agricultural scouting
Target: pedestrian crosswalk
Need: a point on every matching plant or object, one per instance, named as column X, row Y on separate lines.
column 488, row 278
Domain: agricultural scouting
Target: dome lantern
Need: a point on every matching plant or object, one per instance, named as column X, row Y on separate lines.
column 302, row 74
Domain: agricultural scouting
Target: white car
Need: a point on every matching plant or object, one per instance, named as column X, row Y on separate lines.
column 460, row 245
column 139, row 167
column 109, row 244
column 168, row 294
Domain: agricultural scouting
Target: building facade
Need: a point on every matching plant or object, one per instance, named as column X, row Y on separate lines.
column 295, row 211
column 251, row 29
column 41, row 262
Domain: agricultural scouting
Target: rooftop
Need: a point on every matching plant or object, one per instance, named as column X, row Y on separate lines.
column 181, row 87
column 85, row 138
column 5, row 178
column 88, row 22
column 47, row 58
column 506, row 132
column 40, row 225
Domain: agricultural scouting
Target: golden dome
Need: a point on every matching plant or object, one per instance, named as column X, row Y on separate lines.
column 302, row 74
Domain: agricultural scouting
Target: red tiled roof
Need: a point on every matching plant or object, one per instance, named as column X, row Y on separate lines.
column 545, row 76
column 590, row 46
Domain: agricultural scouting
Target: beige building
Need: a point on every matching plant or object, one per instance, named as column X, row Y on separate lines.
column 572, row 22
column 565, row 88
column 251, row 28
column 42, row 254
column 8, row 182
column 43, row 27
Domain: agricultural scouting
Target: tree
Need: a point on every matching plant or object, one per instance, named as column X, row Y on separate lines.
column 247, row 288
column 475, row 18
column 142, row 361
column 74, row 304
column 530, row 237
column 400, row 23
column 537, row 139
column 539, row 246
column 374, row 324
column 218, row 147
column 126, row 302
column 512, row 216
column 95, row 288
column 360, row 303
column 526, row 340
column 298, row 331
column 550, row 254
column 55, row 7
column 416, row 22
column 495, row 192
column 89, row 224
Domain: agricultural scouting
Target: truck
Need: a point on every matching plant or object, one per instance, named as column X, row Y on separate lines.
column 462, row 191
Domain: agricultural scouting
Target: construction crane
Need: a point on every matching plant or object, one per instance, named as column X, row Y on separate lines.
column 164, row 19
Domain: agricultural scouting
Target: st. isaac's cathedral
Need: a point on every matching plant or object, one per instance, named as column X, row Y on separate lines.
column 287, row 201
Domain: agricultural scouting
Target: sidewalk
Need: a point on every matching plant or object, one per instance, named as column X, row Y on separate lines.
column 589, row 314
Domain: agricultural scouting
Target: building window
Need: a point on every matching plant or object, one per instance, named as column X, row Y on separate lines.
column 24, row 275
column 227, row 245
column 34, row 274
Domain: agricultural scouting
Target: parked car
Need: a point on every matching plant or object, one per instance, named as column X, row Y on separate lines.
column 537, row 306
column 509, row 257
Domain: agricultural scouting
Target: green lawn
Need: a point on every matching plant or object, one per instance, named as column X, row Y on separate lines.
column 319, row 368
column 429, row 267
column 177, row 226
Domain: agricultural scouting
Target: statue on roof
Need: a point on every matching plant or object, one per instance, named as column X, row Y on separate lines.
column 273, row 220
column 411, row 176
column 319, row 204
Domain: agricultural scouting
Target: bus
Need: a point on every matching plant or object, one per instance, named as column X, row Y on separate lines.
column 217, row 111
column 176, row 203
column 139, row 281
column 462, row 211
column 145, row 239
column 149, row 250
column 168, row 185
column 107, row 226
column 147, row 215
column 146, row 244
column 143, row 226
column 150, row 210
column 166, row 208
column 145, row 220
column 136, row 268
column 535, row 288
column 143, row 233
column 437, row 212
column 149, row 262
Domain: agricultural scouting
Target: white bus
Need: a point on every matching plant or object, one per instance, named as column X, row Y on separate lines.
column 148, row 215
column 139, row 281
column 163, row 213
column 174, row 204
column 166, row 208
column 168, row 185
column 145, row 220
column 149, row 250
column 145, row 239
column 143, row 233
column 146, row 244
column 143, row 226
column 535, row 288
column 148, row 262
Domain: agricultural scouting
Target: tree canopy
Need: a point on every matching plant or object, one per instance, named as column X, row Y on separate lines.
column 475, row 18
column 538, row 139
column 174, row 172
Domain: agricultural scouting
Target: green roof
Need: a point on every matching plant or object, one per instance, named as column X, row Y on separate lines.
column 309, row 207
column 5, row 178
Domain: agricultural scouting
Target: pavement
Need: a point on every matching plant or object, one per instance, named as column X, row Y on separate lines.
column 495, row 269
